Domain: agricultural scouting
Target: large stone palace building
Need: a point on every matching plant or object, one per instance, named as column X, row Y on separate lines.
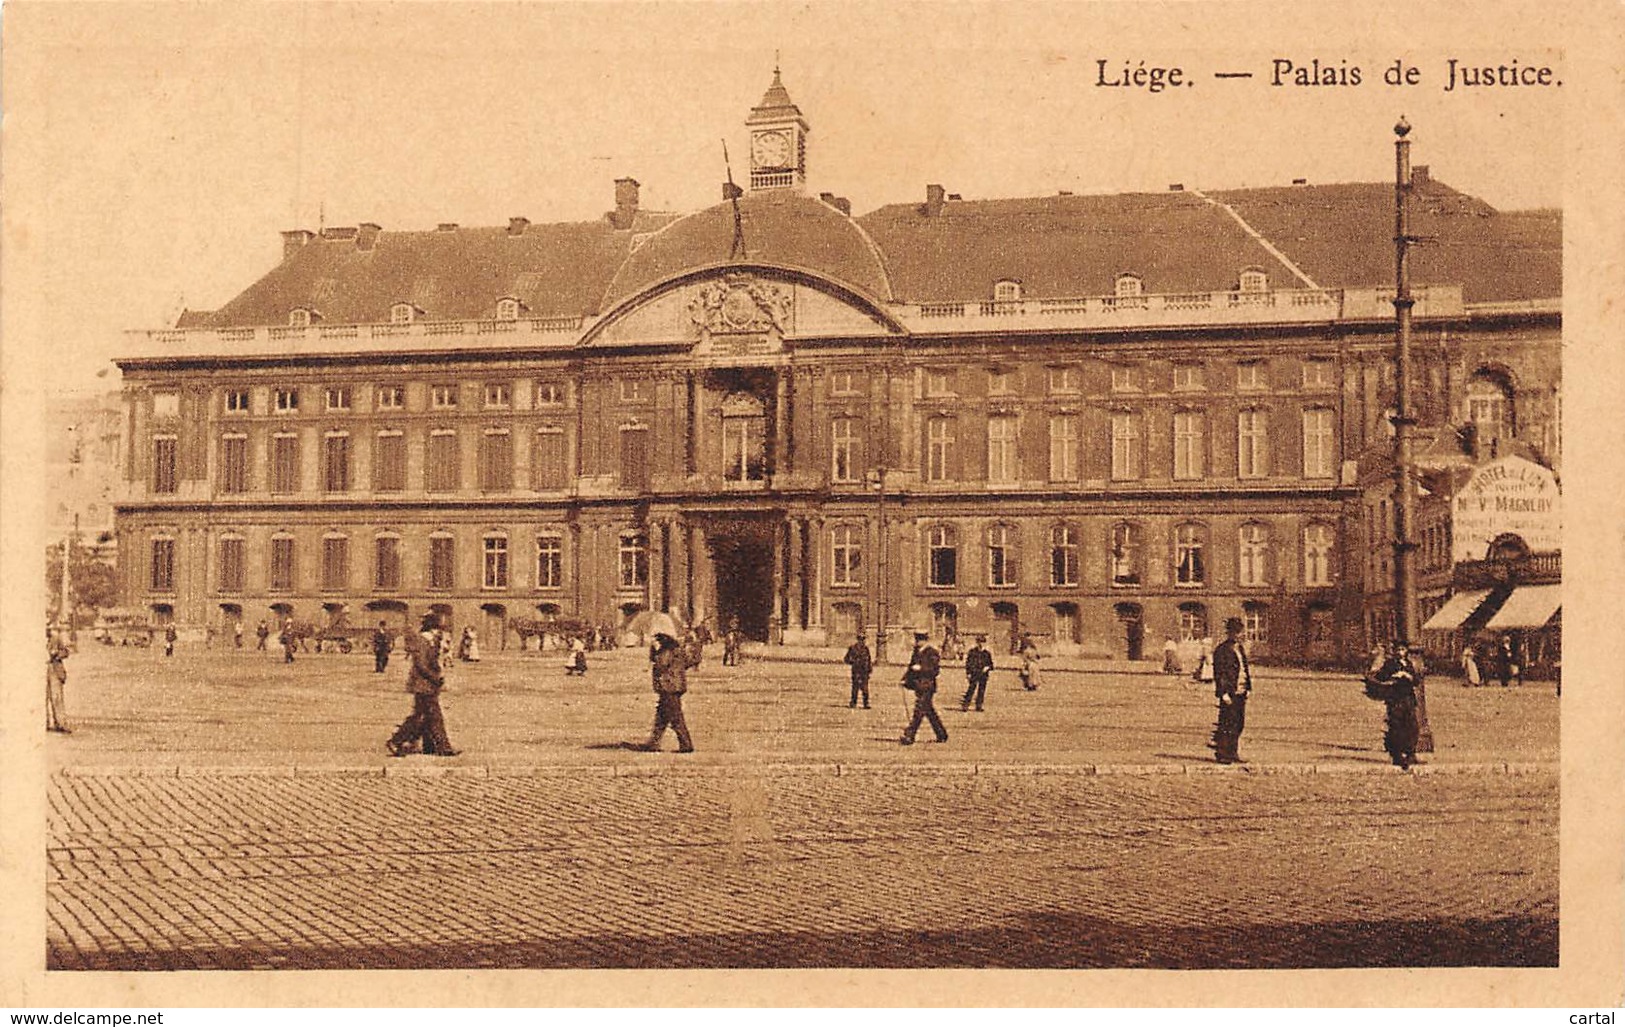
column 1103, row 420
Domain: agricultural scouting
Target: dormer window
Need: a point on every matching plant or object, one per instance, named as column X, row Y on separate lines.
column 1129, row 286
column 402, row 314
column 508, row 309
column 1006, row 290
column 1253, row 279
column 300, row 317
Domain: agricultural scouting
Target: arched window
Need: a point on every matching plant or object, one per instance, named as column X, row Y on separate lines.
column 1192, row 621
column 1128, row 287
column 299, row 317
column 282, row 562
column 162, row 578
column 507, row 309
column 1317, row 555
column 1253, row 280
column 402, row 314
column 495, row 574
column 549, row 560
column 943, row 546
column 1253, row 555
column 386, row 564
column 1125, row 553
column 1006, row 290
column 1001, row 556
column 1255, row 623
column 335, row 562
column 442, row 560
column 1063, row 564
column 1190, row 564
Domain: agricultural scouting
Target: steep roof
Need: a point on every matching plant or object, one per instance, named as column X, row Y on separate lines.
column 1056, row 246
column 1065, row 246
column 779, row 227
column 455, row 274
column 1343, row 235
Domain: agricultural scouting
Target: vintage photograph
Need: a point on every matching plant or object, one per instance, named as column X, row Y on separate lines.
column 749, row 486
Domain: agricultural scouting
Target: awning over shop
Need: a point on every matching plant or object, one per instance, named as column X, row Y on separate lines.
column 1529, row 606
column 1456, row 610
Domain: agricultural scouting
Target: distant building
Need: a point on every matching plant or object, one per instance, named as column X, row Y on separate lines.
column 85, row 460
column 1090, row 418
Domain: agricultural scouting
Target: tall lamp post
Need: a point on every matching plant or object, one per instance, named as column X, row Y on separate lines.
column 877, row 481
column 1406, row 621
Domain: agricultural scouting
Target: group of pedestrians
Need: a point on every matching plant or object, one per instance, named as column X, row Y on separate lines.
column 1504, row 658
column 923, row 670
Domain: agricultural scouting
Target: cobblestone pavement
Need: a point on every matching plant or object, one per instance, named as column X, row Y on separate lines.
column 890, row 868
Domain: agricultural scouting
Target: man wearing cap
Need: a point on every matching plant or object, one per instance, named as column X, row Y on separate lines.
column 921, row 679
column 1232, row 681
column 669, row 668
column 978, row 665
column 858, row 658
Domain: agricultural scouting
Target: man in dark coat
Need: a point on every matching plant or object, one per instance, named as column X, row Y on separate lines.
column 381, row 644
column 921, row 678
column 978, row 665
column 857, row 657
column 56, row 680
column 426, row 725
column 263, row 632
column 1395, row 684
column 668, row 663
column 170, row 635
column 1232, row 681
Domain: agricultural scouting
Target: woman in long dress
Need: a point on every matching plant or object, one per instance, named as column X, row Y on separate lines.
column 1469, row 667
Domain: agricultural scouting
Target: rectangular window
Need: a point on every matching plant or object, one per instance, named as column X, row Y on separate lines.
column 635, row 458
column 391, row 397
column 634, row 561
column 336, row 462
column 1125, row 378
column 1064, row 380
column 236, row 401
column 1063, row 448
column 496, row 460
column 234, row 463
column 1001, row 448
column 1319, row 444
column 1317, row 374
column 443, row 397
column 335, row 564
column 282, row 564
column 389, row 462
column 441, row 561
column 1189, row 377
column 231, row 565
column 1001, row 556
column 549, row 394
column 634, row 390
column 163, row 565
column 166, row 404
column 1125, row 554
column 498, row 395
column 287, row 401
column 284, row 463
column 1000, row 383
column 1250, row 375
column 844, row 456
column 939, row 448
column 1252, row 444
column 1125, row 446
column 1189, row 567
column 549, row 561
column 496, row 563
column 744, row 452
column 843, row 383
column 847, row 551
column 440, row 472
column 338, row 398
column 386, row 564
column 163, row 463
column 939, row 382
column 549, row 460
column 1317, row 555
column 1188, row 445
column 944, row 558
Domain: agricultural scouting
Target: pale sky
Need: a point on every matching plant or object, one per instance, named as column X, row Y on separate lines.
column 158, row 151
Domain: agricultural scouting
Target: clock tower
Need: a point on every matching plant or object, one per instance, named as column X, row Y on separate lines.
column 778, row 141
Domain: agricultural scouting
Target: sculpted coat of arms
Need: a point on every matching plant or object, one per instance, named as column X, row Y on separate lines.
column 740, row 303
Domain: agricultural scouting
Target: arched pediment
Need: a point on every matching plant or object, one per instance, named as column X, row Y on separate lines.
column 742, row 309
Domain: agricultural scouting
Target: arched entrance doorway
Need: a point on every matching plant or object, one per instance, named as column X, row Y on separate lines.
column 1131, row 622
column 494, row 630
column 741, row 552
column 846, row 622
column 391, row 612
column 1007, row 625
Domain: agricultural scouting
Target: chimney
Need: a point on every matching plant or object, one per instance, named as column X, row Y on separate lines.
column 955, row 197
column 366, row 235
column 1176, row 187
column 294, row 241
column 843, row 205
column 827, row 198
column 1420, row 178
column 517, row 226
column 1300, row 181
column 446, row 226
column 626, row 202
column 933, row 201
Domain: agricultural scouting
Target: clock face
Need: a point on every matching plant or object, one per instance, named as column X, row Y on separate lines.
column 771, row 150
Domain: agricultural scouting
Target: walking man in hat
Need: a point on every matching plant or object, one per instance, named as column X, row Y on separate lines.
column 381, row 644
column 668, row 662
column 426, row 725
column 921, row 679
column 978, row 665
column 857, row 657
column 1232, row 682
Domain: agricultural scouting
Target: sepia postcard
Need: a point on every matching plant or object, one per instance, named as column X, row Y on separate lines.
column 1113, row 489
